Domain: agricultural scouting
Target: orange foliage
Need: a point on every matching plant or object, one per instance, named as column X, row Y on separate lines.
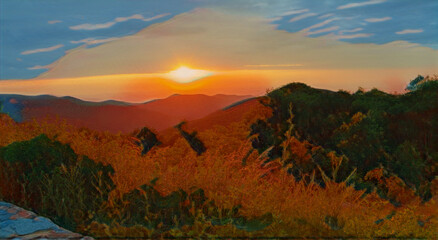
column 396, row 188
column 355, row 119
column 299, row 209
column 299, row 151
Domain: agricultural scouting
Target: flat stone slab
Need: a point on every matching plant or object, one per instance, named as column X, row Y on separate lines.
column 17, row 223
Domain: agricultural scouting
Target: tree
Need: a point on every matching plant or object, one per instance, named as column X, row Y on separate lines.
column 419, row 81
column 412, row 86
column 147, row 139
column 191, row 138
column 408, row 165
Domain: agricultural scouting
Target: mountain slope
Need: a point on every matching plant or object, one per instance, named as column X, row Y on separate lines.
column 192, row 107
column 243, row 113
column 116, row 116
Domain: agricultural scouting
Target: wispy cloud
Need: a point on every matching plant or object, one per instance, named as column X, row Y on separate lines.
column 293, row 12
column 352, row 36
column 54, row 21
column 38, row 67
column 410, row 31
column 351, row 30
column 324, row 30
column 319, row 25
column 49, row 49
column 373, row 20
column 302, row 17
column 325, row 16
column 155, row 17
column 89, row 26
column 360, row 4
column 291, row 48
column 92, row 41
column 403, row 44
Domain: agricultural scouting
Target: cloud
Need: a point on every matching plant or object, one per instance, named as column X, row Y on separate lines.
column 49, row 49
column 38, row 67
column 410, row 31
column 325, row 16
column 373, row 20
column 302, row 17
column 155, row 17
column 124, row 19
column 351, row 30
column 360, row 4
column 404, row 44
column 89, row 26
column 54, row 21
column 92, row 41
column 319, row 25
column 324, row 30
column 293, row 12
column 219, row 41
column 224, row 43
column 352, row 36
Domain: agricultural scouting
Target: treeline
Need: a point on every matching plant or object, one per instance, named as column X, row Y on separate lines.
column 317, row 134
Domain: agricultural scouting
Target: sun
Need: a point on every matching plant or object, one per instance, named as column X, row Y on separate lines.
column 186, row 75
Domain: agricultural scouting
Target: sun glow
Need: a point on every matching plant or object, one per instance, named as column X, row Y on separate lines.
column 185, row 75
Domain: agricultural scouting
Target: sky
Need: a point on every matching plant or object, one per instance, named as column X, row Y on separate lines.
column 124, row 50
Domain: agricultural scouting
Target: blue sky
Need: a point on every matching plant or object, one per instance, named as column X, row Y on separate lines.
column 36, row 33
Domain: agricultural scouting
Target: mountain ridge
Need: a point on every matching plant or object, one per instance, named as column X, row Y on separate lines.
column 113, row 115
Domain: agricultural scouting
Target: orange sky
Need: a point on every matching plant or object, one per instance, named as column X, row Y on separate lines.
column 143, row 87
column 247, row 54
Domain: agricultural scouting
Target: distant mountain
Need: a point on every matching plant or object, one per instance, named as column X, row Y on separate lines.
column 230, row 114
column 247, row 110
column 115, row 116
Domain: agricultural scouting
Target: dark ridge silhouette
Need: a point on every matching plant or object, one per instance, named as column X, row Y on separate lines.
column 191, row 138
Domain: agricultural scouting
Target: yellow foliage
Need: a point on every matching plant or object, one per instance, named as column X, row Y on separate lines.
column 355, row 119
column 299, row 209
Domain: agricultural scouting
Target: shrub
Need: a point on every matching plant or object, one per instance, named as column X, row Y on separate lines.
column 146, row 212
column 48, row 177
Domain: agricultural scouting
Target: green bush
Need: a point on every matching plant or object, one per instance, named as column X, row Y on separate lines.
column 48, row 177
column 397, row 132
column 146, row 207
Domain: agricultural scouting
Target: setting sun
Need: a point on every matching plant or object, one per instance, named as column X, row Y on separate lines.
column 185, row 75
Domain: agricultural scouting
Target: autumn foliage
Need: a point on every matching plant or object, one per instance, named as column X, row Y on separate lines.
column 294, row 187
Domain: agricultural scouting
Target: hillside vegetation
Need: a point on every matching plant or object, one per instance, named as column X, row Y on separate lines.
column 310, row 130
column 304, row 163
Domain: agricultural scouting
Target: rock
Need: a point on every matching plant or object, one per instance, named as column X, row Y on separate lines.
column 18, row 223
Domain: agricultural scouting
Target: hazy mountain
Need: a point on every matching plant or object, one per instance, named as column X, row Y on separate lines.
column 116, row 116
